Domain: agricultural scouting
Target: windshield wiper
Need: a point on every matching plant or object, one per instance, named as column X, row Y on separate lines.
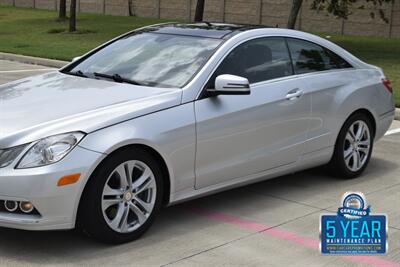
column 117, row 78
column 77, row 73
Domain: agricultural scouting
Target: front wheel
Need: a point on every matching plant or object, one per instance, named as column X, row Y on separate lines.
column 122, row 197
column 353, row 147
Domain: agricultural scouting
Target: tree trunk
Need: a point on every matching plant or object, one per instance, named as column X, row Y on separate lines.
column 198, row 17
column 130, row 6
column 72, row 17
column 293, row 13
column 62, row 12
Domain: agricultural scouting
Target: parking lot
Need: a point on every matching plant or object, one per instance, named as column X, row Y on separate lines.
column 272, row 223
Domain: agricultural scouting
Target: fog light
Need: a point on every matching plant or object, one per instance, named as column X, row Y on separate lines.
column 11, row 206
column 26, row 206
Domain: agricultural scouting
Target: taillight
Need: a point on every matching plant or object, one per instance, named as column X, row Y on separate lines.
column 388, row 85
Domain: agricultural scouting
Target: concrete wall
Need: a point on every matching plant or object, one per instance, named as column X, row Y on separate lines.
column 267, row 12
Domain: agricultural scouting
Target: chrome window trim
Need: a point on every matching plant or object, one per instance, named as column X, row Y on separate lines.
column 295, row 76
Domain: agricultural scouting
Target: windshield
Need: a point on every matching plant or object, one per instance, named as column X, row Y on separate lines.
column 151, row 59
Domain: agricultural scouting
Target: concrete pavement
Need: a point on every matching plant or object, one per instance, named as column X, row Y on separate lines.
column 12, row 70
column 33, row 60
column 272, row 223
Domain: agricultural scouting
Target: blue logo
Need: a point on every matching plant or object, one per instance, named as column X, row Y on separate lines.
column 353, row 206
column 353, row 230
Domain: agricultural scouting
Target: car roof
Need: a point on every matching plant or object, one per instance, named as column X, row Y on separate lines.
column 203, row 29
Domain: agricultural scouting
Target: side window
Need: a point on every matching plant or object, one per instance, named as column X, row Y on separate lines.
column 257, row 60
column 309, row 57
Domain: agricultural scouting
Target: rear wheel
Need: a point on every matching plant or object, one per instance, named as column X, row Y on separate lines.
column 353, row 147
column 122, row 197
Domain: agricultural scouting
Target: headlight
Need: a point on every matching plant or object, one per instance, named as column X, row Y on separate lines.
column 50, row 150
column 7, row 156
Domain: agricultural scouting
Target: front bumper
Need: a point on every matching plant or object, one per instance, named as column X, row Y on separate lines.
column 57, row 205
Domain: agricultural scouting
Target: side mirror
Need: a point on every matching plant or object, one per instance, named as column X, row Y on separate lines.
column 76, row 58
column 227, row 84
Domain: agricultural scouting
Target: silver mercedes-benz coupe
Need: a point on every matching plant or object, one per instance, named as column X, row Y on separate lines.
column 171, row 112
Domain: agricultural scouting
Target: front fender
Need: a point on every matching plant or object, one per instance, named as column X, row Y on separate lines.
column 170, row 132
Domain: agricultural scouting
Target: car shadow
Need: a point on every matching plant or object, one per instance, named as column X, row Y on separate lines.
column 173, row 222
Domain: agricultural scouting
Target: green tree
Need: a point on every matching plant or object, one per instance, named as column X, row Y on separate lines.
column 338, row 8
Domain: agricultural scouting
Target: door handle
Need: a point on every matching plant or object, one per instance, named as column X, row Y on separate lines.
column 294, row 94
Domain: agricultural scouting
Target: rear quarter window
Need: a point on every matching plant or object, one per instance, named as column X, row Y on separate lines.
column 309, row 57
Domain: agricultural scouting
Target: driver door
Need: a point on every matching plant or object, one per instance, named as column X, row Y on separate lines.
column 241, row 135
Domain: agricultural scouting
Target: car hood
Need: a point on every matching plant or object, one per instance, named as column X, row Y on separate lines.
column 53, row 103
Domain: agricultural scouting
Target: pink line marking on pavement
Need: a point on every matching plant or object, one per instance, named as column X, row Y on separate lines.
column 286, row 235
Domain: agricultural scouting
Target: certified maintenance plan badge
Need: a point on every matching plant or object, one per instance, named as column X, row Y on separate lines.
column 353, row 230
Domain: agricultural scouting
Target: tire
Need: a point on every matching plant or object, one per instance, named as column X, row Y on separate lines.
column 343, row 164
column 112, row 210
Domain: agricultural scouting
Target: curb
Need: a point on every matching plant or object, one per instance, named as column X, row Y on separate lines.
column 397, row 114
column 33, row 60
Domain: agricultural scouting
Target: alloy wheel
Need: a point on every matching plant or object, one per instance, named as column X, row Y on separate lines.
column 357, row 145
column 129, row 196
